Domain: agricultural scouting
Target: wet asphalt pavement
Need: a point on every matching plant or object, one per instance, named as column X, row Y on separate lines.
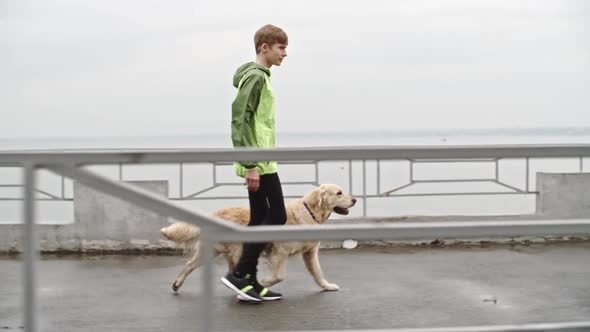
column 380, row 288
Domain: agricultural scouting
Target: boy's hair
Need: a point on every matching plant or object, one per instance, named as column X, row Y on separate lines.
column 270, row 35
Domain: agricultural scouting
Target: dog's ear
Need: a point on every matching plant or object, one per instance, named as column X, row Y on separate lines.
column 318, row 197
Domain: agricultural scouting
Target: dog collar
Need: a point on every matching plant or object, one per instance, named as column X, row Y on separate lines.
column 309, row 210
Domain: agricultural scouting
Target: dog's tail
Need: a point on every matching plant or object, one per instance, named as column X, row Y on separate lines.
column 184, row 234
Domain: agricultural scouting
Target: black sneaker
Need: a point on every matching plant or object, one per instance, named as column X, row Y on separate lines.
column 264, row 293
column 242, row 286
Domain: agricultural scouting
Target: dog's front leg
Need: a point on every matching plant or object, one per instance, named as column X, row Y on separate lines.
column 312, row 262
column 278, row 265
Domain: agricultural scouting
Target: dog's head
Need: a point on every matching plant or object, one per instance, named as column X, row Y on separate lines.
column 330, row 198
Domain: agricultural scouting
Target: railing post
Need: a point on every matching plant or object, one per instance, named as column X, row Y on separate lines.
column 30, row 250
column 181, row 182
column 207, row 298
column 364, row 188
column 527, row 174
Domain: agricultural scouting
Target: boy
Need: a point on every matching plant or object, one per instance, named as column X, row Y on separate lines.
column 253, row 125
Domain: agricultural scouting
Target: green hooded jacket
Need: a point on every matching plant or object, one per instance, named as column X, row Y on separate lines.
column 253, row 115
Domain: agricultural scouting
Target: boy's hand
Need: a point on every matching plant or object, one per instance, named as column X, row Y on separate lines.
column 253, row 179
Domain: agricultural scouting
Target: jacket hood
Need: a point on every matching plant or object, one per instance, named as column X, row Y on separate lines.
column 246, row 68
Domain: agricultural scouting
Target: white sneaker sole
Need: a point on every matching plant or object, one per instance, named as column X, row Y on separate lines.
column 231, row 286
column 241, row 298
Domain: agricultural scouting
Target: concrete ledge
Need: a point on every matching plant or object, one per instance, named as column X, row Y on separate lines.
column 102, row 223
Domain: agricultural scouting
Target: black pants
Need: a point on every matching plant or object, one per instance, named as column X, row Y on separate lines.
column 267, row 207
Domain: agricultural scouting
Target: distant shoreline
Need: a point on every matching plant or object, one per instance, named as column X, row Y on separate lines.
column 541, row 131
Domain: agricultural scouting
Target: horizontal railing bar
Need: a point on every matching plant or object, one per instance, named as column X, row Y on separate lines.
column 204, row 198
column 296, row 154
column 543, row 327
column 410, row 230
column 428, row 161
column 392, row 195
column 454, row 180
column 43, row 199
column 297, row 162
column 282, row 183
column 198, row 198
column 475, row 193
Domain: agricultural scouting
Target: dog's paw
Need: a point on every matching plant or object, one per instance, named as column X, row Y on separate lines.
column 330, row 287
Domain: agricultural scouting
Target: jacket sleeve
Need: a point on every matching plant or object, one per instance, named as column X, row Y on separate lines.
column 243, row 109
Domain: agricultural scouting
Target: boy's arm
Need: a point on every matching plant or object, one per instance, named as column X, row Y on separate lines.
column 243, row 109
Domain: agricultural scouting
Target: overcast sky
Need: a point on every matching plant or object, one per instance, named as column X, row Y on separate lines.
column 140, row 67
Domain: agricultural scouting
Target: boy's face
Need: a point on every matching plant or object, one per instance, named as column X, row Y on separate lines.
column 275, row 53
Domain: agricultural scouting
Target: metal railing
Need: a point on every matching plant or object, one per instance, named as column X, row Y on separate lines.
column 367, row 179
column 216, row 230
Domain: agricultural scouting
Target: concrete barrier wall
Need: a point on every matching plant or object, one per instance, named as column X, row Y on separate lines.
column 102, row 223
column 563, row 195
column 105, row 223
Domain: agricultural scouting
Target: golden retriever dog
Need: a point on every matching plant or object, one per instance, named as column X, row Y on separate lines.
column 312, row 209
